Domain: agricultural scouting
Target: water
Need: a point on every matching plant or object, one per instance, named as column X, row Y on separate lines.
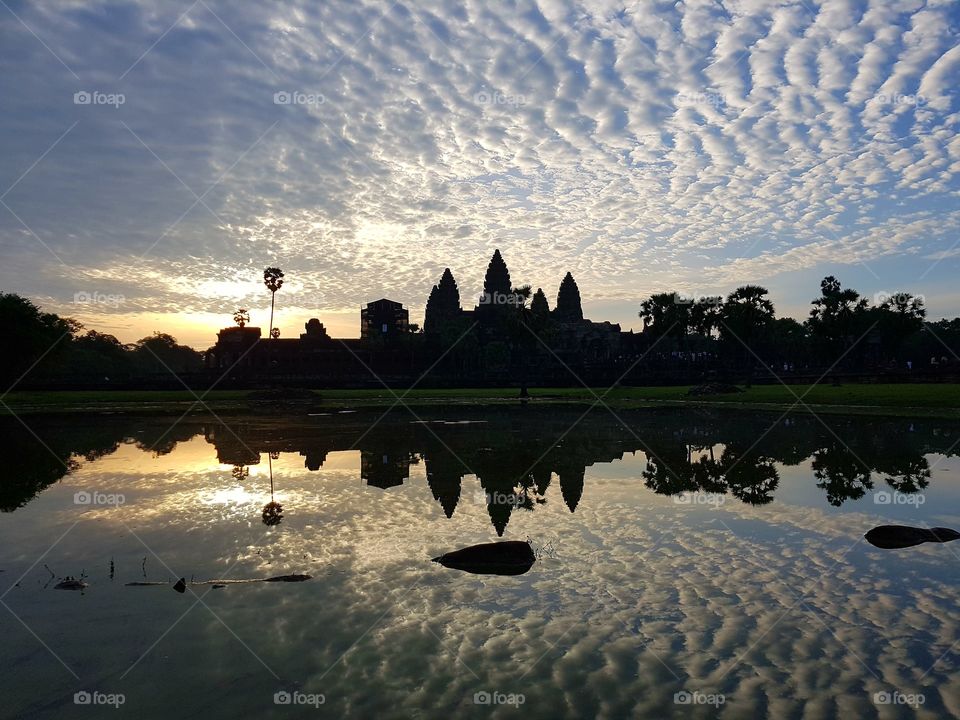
column 716, row 558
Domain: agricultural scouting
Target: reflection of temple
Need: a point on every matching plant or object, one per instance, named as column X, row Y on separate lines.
column 511, row 457
column 384, row 470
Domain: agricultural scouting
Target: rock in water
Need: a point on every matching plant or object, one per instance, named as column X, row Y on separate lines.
column 890, row 537
column 181, row 586
column 510, row 557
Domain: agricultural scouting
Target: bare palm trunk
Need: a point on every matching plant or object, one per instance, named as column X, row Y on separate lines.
column 273, row 297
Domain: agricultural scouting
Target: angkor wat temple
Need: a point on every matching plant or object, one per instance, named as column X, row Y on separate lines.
column 511, row 336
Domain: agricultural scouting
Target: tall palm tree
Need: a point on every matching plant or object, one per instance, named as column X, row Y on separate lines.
column 273, row 279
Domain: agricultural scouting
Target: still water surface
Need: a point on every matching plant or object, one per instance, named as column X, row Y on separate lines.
column 715, row 558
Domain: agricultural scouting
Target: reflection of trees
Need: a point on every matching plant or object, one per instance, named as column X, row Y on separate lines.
column 751, row 477
column 841, row 474
column 668, row 470
column 516, row 455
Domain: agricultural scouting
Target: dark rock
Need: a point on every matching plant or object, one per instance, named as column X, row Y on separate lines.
column 181, row 585
column 510, row 557
column 890, row 537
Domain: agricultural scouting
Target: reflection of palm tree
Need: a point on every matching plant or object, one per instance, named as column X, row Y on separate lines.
column 272, row 511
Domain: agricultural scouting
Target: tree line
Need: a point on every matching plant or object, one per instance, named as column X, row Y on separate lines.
column 45, row 345
column 843, row 329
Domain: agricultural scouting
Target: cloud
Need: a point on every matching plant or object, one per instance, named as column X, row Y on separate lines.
column 602, row 138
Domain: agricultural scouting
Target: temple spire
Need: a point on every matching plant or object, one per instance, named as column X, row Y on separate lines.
column 497, row 279
column 568, row 300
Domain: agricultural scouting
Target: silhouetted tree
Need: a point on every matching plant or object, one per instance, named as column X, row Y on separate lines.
column 746, row 315
column 838, row 316
column 896, row 319
column 666, row 314
column 273, row 279
column 161, row 353
column 31, row 335
column 241, row 317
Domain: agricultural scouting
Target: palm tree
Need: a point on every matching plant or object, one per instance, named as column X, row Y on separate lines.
column 273, row 279
column 241, row 317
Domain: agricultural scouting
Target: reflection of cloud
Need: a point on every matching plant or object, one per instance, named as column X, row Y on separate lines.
column 640, row 590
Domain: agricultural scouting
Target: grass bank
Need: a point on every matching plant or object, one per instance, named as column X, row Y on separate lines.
column 941, row 400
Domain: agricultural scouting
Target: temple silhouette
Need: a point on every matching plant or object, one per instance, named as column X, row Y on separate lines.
column 483, row 345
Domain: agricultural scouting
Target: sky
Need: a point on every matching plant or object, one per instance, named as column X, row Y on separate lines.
column 155, row 157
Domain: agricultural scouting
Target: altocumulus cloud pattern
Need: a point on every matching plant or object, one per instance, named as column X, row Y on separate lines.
column 641, row 144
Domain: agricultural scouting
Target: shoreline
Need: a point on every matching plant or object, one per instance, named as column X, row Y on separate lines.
column 903, row 400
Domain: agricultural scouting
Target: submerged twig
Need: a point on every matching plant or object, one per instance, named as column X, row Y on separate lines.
column 296, row 577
